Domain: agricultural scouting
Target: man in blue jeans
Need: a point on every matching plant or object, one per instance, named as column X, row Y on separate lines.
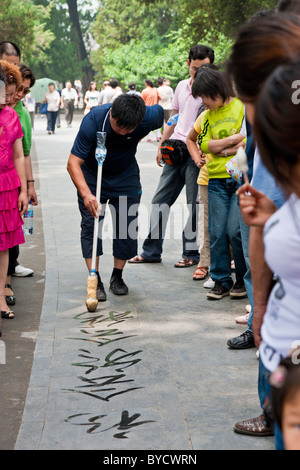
column 175, row 177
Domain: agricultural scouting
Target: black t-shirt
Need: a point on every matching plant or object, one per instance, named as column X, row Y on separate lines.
column 121, row 149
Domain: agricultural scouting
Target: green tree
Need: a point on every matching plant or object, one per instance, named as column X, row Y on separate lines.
column 66, row 60
column 127, row 30
column 24, row 23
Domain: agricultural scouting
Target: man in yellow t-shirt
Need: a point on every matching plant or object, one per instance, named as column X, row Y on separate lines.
column 220, row 136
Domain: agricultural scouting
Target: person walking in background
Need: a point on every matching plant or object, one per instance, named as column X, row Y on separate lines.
column 166, row 97
column 132, row 89
column 52, row 99
column 151, row 96
column 58, row 124
column 101, row 93
column 91, row 97
column 69, row 99
column 111, row 92
column 29, row 103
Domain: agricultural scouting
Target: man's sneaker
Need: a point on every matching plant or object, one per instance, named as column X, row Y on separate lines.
column 101, row 294
column 218, row 291
column 244, row 341
column 21, row 271
column 118, row 286
column 209, row 284
column 238, row 291
column 242, row 319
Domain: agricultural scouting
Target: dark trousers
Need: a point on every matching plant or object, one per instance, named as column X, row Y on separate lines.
column 69, row 111
column 123, row 205
column 51, row 118
column 13, row 256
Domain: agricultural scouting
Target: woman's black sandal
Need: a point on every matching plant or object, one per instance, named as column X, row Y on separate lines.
column 10, row 299
column 8, row 314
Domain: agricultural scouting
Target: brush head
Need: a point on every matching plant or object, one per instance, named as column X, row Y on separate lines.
column 91, row 304
column 242, row 160
column 92, row 301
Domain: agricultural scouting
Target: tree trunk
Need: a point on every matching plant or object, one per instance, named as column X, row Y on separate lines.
column 81, row 50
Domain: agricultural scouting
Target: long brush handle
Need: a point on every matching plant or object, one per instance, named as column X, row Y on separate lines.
column 96, row 221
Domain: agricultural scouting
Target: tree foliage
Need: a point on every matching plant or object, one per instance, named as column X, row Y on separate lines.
column 66, row 59
column 24, row 23
column 141, row 39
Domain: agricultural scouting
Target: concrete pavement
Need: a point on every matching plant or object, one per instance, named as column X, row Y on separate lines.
column 150, row 370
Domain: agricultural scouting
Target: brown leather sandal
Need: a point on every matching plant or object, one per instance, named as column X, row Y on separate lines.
column 200, row 273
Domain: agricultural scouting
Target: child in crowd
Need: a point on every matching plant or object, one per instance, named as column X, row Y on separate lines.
column 201, row 161
column 221, row 136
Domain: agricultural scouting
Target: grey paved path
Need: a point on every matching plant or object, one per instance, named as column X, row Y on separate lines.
column 150, row 370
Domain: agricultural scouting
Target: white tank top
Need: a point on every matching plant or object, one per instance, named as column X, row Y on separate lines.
column 281, row 325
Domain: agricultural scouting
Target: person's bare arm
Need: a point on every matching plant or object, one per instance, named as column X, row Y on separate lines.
column 231, row 150
column 31, row 194
column 256, row 208
column 195, row 152
column 74, row 169
column 262, row 280
column 168, row 131
column 216, row 146
column 19, row 162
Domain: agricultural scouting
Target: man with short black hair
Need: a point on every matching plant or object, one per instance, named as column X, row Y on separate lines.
column 10, row 51
column 175, row 177
column 126, row 122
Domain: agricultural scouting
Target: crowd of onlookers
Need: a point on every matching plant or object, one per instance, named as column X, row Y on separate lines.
column 235, row 148
column 240, row 126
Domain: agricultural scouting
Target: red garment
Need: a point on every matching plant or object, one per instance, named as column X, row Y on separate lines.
column 11, row 233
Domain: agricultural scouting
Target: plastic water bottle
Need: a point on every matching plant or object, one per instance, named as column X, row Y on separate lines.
column 28, row 220
column 101, row 150
column 173, row 120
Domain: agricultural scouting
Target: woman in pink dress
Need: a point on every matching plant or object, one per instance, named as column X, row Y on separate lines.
column 13, row 185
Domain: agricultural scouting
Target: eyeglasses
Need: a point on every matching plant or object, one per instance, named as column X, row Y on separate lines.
column 23, row 90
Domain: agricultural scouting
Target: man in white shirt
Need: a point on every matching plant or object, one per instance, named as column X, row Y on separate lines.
column 111, row 92
column 166, row 93
column 69, row 100
column 100, row 99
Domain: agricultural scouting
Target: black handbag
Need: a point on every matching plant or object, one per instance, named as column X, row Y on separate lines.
column 174, row 152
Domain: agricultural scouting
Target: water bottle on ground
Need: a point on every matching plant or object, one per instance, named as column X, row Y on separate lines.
column 28, row 220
